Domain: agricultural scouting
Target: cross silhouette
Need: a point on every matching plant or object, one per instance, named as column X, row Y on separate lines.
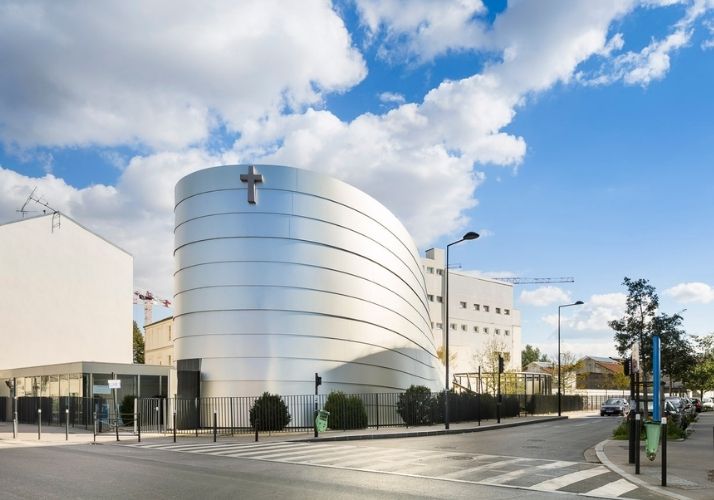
column 252, row 177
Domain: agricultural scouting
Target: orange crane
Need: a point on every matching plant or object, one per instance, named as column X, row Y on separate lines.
column 149, row 299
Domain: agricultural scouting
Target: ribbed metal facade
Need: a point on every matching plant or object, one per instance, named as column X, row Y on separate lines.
column 315, row 276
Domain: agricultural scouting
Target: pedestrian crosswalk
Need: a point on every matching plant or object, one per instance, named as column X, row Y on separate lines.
column 588, row 479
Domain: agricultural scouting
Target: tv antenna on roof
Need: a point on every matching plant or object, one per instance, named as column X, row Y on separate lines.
column 56, row 221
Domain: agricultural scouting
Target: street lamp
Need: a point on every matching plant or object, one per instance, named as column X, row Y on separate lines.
column 468, row 236
column 560, row 383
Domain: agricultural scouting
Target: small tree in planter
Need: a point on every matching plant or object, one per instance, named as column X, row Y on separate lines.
column 346, row 412
column 269, row 413
column 416, row 406
column 126, row 409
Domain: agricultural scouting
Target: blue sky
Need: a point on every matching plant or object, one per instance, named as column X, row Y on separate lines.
column 576, row 137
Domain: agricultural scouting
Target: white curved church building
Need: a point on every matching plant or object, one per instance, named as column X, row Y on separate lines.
column 282, row 273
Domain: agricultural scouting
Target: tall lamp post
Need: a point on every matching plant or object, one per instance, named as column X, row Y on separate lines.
column 560, row 383
column 468, row 236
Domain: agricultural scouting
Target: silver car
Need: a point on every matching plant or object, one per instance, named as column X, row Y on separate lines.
column 615, row 406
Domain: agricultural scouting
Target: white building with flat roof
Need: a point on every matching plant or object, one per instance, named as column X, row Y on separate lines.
column 482, row 318
column 66, row 294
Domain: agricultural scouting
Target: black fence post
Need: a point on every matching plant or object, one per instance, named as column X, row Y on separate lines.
column 39, row 423
column 94, row 425
column 198, row 417
column 66, row 424
column 637, row 442
column 174, row 424
column 663, row 433
column 215, row 426
column 138, row 425
column 376, row 405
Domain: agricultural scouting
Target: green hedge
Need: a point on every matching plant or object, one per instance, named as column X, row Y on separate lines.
column 269, row 413
column 346, row 412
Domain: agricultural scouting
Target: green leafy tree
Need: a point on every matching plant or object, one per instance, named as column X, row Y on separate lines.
column 138, row 343
column 701, row 376
column 636, row 324
column 530, row 354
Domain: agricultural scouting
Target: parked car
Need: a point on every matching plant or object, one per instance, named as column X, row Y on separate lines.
column 615, row 406
column 707, row 404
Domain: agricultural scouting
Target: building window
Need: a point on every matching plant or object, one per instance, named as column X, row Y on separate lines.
column 475, row 329
column 506, row 312
column 462, row 305
column 507, row 332
column 453, row 326
column 485, row 329
column 498, row 332
column 477, row 307
column 430, row 270
column 430, row 297
column 169, row 332
column 439, row 326
column 439, row 298
column 440, row 272
column 463, row 328
column 498, row 310
column 486, row 308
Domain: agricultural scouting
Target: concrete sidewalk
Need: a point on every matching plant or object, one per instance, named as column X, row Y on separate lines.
column 52, row 435
column 690, row 463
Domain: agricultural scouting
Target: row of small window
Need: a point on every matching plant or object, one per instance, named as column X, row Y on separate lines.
column 476, row 329
column 477, row 307
column 430, row 270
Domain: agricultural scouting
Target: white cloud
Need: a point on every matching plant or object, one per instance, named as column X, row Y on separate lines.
column 98, row 74
column 422, row 29
column 689, row 293
column 545, row 296
column 593, row 316
column 165, row 74
column 391, row 97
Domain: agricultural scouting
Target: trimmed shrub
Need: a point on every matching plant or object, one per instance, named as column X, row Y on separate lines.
column 346, row 412
column 417, row 406
column 126, row 409
column 269, row 413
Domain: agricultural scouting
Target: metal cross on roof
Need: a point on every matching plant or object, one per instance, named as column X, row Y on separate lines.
column 252, row 177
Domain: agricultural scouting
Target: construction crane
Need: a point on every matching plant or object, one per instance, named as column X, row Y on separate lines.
column 534, row 281
column 149, row 299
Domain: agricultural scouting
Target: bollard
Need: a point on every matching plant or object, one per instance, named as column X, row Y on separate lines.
column 39, row 423
column 174, row 422
column 215, row 426
column 637, row 443
column 66, row 424
column 256, row 428
column 14, row 425
column 664, row 451
column 138, row 425
column 94, row 425
column 158, row 419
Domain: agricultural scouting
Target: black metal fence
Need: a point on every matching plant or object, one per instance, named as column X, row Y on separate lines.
column 294, row 413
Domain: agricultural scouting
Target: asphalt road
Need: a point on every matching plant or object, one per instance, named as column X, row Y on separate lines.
column 274, row 470
column 557, row 440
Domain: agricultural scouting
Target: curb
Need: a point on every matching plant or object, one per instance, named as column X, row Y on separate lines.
column 600, row 452
column 392, row 435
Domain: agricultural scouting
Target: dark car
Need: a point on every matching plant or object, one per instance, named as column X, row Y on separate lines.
column 615, row 406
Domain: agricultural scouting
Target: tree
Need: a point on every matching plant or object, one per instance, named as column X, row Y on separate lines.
column 569, row 366
column 635, row 325
column 701, row 376
column 138, row 343
column 530, row 354
column 487, row 359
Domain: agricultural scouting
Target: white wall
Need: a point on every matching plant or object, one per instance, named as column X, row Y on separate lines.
column 500, row 318
column 66, row 295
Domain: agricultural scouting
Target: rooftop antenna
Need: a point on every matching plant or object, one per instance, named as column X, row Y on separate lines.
column 56, row 221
